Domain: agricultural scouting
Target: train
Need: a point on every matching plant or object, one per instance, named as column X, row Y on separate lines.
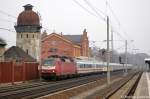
column 62, row 66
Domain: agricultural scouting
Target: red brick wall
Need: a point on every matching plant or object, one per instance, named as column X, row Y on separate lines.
column 64, row 46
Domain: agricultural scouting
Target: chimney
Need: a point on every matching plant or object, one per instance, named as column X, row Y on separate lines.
column 28, row 7
column 85, row 32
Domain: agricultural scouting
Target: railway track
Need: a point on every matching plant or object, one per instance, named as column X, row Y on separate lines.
column 120, row 89
column 33, row 91
column 127, row 88
column 22, row 86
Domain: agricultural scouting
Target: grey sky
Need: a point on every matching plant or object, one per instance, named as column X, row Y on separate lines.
column 67, row 17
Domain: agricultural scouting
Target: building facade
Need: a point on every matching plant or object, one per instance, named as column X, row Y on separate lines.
column 68, row 45
column 28, row 30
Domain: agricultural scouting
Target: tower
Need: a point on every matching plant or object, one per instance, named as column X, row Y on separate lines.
column 28, row 30
column 85, row 44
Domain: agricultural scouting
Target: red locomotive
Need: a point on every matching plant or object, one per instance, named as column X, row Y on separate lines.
column 57, row 67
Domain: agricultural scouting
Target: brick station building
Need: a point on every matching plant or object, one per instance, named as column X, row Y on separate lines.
column 68, row 45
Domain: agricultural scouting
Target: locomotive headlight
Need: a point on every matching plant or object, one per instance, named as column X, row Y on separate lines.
column 53, row 71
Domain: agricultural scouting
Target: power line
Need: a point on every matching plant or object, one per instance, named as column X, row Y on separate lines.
column 10, row 30
column 117, row 33
column 2, row 12
column 93, row 43
column 6, row 20
column 116, row 18
column 94, row 9
column 118, row 22
column 121, row 47
column 84, row 8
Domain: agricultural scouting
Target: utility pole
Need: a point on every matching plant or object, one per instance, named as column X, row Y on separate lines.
column 126, row 56
column 108, row 55
column 112, row 45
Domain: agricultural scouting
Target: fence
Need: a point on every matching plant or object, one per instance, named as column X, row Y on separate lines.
column 11, row 72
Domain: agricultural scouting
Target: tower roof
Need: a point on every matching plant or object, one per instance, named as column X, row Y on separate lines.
column 28, row 17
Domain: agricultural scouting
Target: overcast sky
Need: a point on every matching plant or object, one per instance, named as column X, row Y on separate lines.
column 69, row 18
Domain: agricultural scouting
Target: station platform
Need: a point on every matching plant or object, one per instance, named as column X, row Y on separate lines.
column 143, row 88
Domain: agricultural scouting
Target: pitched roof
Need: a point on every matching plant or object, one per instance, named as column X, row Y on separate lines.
column 74, row 38
column 2, row 42
column 17, row 53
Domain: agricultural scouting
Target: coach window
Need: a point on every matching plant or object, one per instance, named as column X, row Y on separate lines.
column 21, row 35
column 84, row 65
column 27, row 35
column 87, row 65
column 81, row 65
column 90, row 65
column 98, row 66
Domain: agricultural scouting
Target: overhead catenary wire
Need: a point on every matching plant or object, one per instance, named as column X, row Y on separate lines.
column 118, row 22
column 6, row 29
column 84, row 8
column 97, row 44
column 7, row 14
column 5, row 20
column 117, row 33
column 114, row 15
column 95, row 10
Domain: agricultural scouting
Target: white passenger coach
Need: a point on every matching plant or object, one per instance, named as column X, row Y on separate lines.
column 85, row 65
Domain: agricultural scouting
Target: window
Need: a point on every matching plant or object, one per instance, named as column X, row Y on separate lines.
column 21, row 35
column 33, row 36
column 48, row 62
column 82, row 65
column 27, row 35
column 53, row 50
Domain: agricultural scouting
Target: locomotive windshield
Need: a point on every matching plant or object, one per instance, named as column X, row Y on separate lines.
column 48, row 62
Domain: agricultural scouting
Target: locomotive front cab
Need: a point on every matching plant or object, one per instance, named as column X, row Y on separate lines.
column 48, row 67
